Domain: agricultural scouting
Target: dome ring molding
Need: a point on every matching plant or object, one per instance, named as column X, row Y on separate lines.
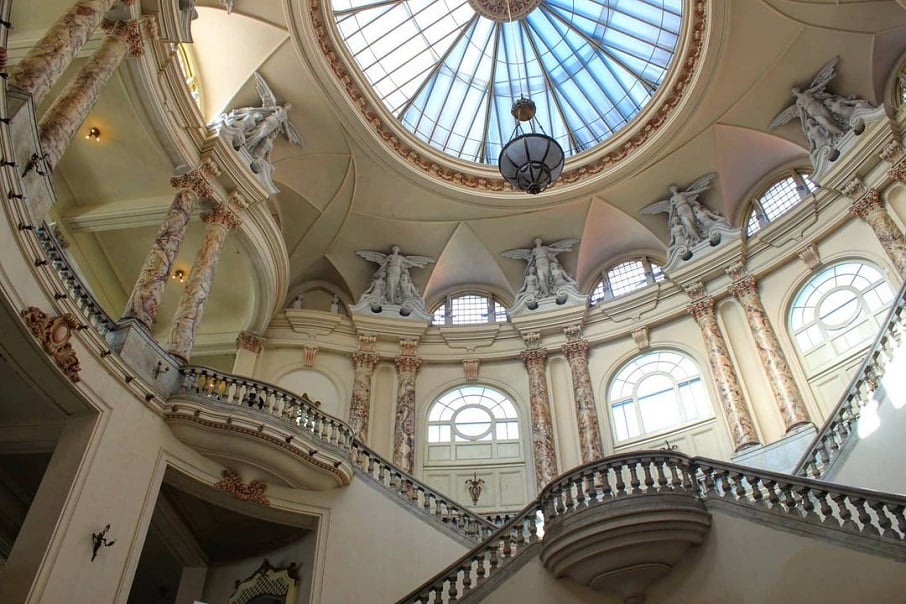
column 467, row 176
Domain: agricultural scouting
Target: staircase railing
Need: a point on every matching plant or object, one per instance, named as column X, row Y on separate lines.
column 842, row 422
column 851, row 516
column 304, row 414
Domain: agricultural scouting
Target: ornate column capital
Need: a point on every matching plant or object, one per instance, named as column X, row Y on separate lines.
column 221, row 215
column 746, row 286
column 363, row 359
column 701, row 308
column 867, row 204
column 407, row 364
column 573, row 332
column 129, row 32
column 195, row 181
column 894, row 154
column 576, row 350
column 249, row 342
column 532, row 339
column 533, row 357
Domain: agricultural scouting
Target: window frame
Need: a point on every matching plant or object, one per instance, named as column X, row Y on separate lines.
column 756, row 209
column 604, row 282
column 494, row 315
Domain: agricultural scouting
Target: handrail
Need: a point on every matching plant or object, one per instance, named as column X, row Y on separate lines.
column 236, row 390
column 841, row 423
column 95, row 314
column 854, row 511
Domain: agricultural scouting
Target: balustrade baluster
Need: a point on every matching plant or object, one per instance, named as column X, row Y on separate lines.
column 533, row 528
column 451, row 591
column 621, row 486
column 883, row 520
column 844, row 515
column 646, row 468
column 480, row 570
column 466, row 578
column 634, row 477
column 741, row 481
column 899, row 514
column 659, row 468
column 860, row 503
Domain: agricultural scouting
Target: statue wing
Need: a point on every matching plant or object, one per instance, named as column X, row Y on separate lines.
column 564, row 245
column 702, row 184
column 520, row 254
column 784, row 116
column 657, row 207
column 291, row 133
column 372, row 256
column 419, row 261
column 824, row 76
column 264, row 91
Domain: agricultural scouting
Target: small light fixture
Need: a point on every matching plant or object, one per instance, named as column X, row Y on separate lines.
column 179, row 275
column 531, row 161
column 94, row 134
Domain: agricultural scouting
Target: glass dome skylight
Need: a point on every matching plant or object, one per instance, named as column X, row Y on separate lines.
column 449, row 70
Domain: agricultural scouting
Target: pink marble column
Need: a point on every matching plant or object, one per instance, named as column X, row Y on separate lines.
column 363, row 364
column 67, row 114
column 542, row 426
column 218, row 222
column 576, row 353
column 783, row 385
column 739, row 421
column 870, row 208
column 155, row 274
column 39, row 70
column 404, row 426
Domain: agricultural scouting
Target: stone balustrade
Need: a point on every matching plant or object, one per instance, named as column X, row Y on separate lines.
column 853, row 517
column 842, row 422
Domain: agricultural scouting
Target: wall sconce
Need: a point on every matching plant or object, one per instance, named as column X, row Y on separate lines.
column 94, row 134
column 179, row 275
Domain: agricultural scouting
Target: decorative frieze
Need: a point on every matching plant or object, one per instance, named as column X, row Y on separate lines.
column 232, row 483
column 55, row 334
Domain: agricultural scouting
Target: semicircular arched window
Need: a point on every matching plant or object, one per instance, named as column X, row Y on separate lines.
column 838, row 312
column 627, row 277
column 654, row 392
column 778, row 199
column 469, row 309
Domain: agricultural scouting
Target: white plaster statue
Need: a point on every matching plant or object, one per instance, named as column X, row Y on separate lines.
column 544, row 277
column 825, row 118
column 256, row 128
column 689, row 221
column 391, row 285
column 335, row 304
column 297, row 302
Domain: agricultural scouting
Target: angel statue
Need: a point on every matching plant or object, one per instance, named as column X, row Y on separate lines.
column 391, row 284
column 544, row 277
column 256, row 128
column 824, row 117
column 689, row 221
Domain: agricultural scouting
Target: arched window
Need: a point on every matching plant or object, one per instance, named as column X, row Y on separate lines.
column 627, row 277
column 839, row 311
column 469, row 309
column 474, row 430
column 779, row 198
column 657, row 391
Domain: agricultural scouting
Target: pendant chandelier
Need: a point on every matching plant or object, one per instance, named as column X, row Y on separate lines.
column 532, row 160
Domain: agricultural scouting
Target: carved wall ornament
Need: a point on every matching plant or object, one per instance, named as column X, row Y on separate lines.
column 854, row 188
column 736, row 270
column 470, row 369
column 475, row 485
column 391, row 290
column 687, row 66
column 640, row 336
column 532, row 339
column 810, row 256
column 695, row 290
column 237, row 201
column 893, row 152
column 366, row 342
column 250, row 342
column 232, row 483
column 310, row 355
column 55, row 335
column 573, row 332
column 408, row 346
column 825, row 117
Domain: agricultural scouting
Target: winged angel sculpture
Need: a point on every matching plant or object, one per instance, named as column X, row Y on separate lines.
column 824, row 117
column 391, row 283
column 689, row 221
column 544, row 276
column 256, row 128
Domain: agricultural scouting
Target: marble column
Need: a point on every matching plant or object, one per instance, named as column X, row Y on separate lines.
column 542, row 426
column 248, row 347
column 218, row 222
column 155, row 274
column 39, row 70
column 870, row 208
column 739, row 421
column 783, row 385
column 576, row 352
column 363, row 364
column 404, row 426
column 67, row 114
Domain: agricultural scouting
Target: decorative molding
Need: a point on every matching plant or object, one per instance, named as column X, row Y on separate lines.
column 854, row 188
column 232, row 483
column 505, row 11
column 573, row 332
column 366, row 342
column 737, row 270
column 695, row 290
column 373, row 115
column 55, row 335
column 408, row 347
column 250, row 342
column 470, row 369
column 532, row 340
column 640, row 337
column 810, row 256
column 311, row 355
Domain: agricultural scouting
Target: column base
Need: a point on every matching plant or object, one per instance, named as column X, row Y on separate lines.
column 138, row 348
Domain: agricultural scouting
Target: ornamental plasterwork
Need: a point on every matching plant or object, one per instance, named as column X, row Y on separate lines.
column 232, row 483
column 55, row 335
column 504, row 11
column 415, row 155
